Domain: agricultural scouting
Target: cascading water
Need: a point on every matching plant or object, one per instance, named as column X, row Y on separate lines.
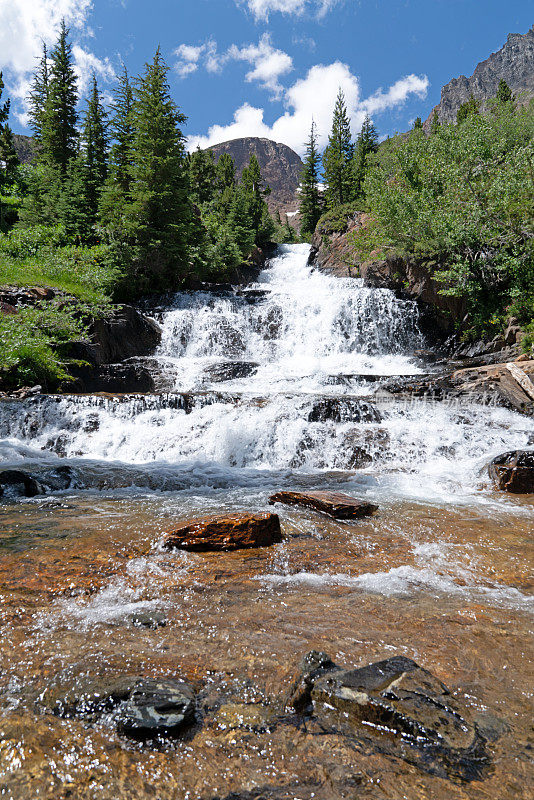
column 280, row 376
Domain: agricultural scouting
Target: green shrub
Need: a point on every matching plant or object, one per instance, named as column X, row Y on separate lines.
column 335, row 220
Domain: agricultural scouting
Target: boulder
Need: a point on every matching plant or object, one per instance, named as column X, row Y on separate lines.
column 335, row 504
column 14, row 483
column 230, row 370
column 514, row 471
column 410, row 709
column 226, row 532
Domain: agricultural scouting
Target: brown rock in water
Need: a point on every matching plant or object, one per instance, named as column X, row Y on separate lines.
column 226, row 532
column 514, row 471
column 335, row 504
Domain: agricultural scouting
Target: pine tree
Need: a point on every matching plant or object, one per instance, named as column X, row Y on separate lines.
column 366, row 143
column 59, row 136
column 39, row 96
column 471, row 108
column 158, row 217
column 8, row 155
column 504, row 93
column 310, row 197
column 435, row 124
column 417, row 124
column 337, row 157
column 4, row 109
column 95, row 150
column 225, row 172
column 254, row 191
column 122, row 133
column 202, row 176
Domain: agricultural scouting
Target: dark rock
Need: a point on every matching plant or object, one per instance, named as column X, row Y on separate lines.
column 230, row 370
column 14, row 483
column 157, row 708
column 125, row 334
column 59, row 479
column 514, row 471
column 127, row 378
column 343, row 409
column 335, row 504
column 226, row 532
column 141, row 708
column 407, row 708
column 313, row 665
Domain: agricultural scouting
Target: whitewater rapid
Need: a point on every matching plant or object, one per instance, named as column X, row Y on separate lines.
column 279, row 381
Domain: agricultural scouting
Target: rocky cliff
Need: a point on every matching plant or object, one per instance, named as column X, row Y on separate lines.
column 514, row 63
column 279, row 164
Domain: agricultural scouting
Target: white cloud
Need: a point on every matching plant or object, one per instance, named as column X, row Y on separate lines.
column 25, row 25
column 262, row 8
column 268, row 63
column 313, row 96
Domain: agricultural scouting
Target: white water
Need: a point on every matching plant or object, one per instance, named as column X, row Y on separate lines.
column 302, row 336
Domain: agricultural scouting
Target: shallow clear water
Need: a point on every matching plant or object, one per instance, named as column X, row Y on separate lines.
column 269, row 389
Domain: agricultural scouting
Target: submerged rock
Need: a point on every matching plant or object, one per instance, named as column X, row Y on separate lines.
column 157, row 708
column 226, row 532
column 141, row 708
column 335, row 504
column 400, row 702
column 15, row 483
column 514, row 471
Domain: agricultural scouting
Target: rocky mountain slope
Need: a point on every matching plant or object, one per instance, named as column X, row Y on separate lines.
column 279, row 164
column 514, row 63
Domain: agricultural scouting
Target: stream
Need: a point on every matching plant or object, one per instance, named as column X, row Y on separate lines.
column 271, row 387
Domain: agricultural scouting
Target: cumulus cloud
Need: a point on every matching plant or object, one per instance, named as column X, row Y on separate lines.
column 25, row 25
column 267, row 62
column 262, row 8
column 313, row 96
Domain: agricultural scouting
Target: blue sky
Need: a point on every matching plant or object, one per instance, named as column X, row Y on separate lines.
column 264, row 67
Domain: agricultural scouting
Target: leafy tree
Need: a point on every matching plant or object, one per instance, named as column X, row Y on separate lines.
column 95, row 150
column 468, row 109
column 366, row 143
column 59, row 135
column 39, row 96
column 310, row 205
column 504, row 93
column 337, row 157
column 158, row 216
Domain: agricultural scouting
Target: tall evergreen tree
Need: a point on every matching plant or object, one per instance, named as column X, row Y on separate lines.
column 158, row 216
column 122, row 133
column 59, row 136
column 39, row 96
column 202, row 176
column 8, row 156
column 95, row 150
column 417, row 124
column 225, row 172
column 337, row 157
column 310, row 196
column 366, row 143
column 254, row 192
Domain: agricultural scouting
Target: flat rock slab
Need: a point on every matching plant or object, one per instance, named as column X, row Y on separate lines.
column 514, row 471
column 226, row 532
column 335, row 504
column 410, row 709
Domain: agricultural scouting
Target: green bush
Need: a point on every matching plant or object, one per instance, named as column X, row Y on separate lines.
column 335, row 220
column 32, row 344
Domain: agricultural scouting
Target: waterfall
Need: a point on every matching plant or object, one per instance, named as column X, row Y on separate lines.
column 281, row 378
